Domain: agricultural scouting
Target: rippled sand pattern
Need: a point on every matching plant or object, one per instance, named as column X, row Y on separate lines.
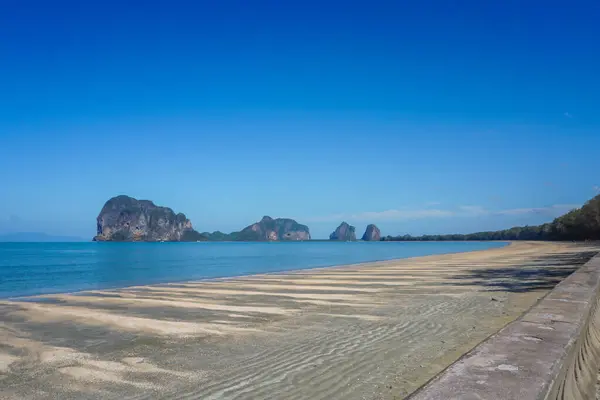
column 370, row 331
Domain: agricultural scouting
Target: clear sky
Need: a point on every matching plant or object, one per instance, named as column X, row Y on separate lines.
column 429, row 117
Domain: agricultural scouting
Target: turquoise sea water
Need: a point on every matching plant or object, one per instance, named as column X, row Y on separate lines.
column 41, row 268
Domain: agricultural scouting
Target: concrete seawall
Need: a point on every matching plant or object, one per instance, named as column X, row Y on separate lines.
column 551, row 352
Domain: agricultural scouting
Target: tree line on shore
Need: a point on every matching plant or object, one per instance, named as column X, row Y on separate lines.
column 579, row 224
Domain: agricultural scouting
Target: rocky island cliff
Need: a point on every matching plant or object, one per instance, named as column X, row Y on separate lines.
column 125, row 219
column 343, row 232
column 372, row 233
column 267, row 229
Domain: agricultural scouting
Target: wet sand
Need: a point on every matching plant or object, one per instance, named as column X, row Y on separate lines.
column 369, row 331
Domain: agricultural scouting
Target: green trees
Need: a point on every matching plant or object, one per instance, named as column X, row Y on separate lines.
column 579, row 224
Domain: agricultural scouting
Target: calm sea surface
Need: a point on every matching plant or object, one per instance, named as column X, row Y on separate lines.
column 41, row 268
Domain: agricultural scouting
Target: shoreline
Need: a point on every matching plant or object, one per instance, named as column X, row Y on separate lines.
column 291, row 271
column 375, row 330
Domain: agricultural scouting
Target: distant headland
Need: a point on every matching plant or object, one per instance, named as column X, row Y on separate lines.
column 581, row 224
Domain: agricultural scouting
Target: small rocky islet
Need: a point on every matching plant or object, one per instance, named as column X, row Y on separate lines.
column 344, row 232
column 126, row 219
column 372, row 233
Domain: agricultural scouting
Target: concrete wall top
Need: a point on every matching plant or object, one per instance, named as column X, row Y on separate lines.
column 530, row 358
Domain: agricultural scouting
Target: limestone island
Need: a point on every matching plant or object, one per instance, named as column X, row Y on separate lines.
column 344, row 232
column 125, row 219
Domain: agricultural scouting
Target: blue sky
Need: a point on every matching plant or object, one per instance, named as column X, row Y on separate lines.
column 432, row 117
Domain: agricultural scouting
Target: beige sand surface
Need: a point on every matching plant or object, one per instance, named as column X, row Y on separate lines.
column 370, row 331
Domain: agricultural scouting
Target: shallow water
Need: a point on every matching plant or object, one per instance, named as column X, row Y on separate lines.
column 39, row 268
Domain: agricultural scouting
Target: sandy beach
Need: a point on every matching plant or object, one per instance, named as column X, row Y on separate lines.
column 370, row 331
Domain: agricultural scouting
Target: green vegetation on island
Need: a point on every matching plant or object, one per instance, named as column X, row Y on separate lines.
column 218, row 236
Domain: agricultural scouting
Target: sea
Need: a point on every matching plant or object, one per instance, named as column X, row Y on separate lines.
column 41, row 268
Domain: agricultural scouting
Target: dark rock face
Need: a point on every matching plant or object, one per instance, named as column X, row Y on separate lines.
column 269, row 229
column 125, row 219
column 343, row 232
column 372, row 233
